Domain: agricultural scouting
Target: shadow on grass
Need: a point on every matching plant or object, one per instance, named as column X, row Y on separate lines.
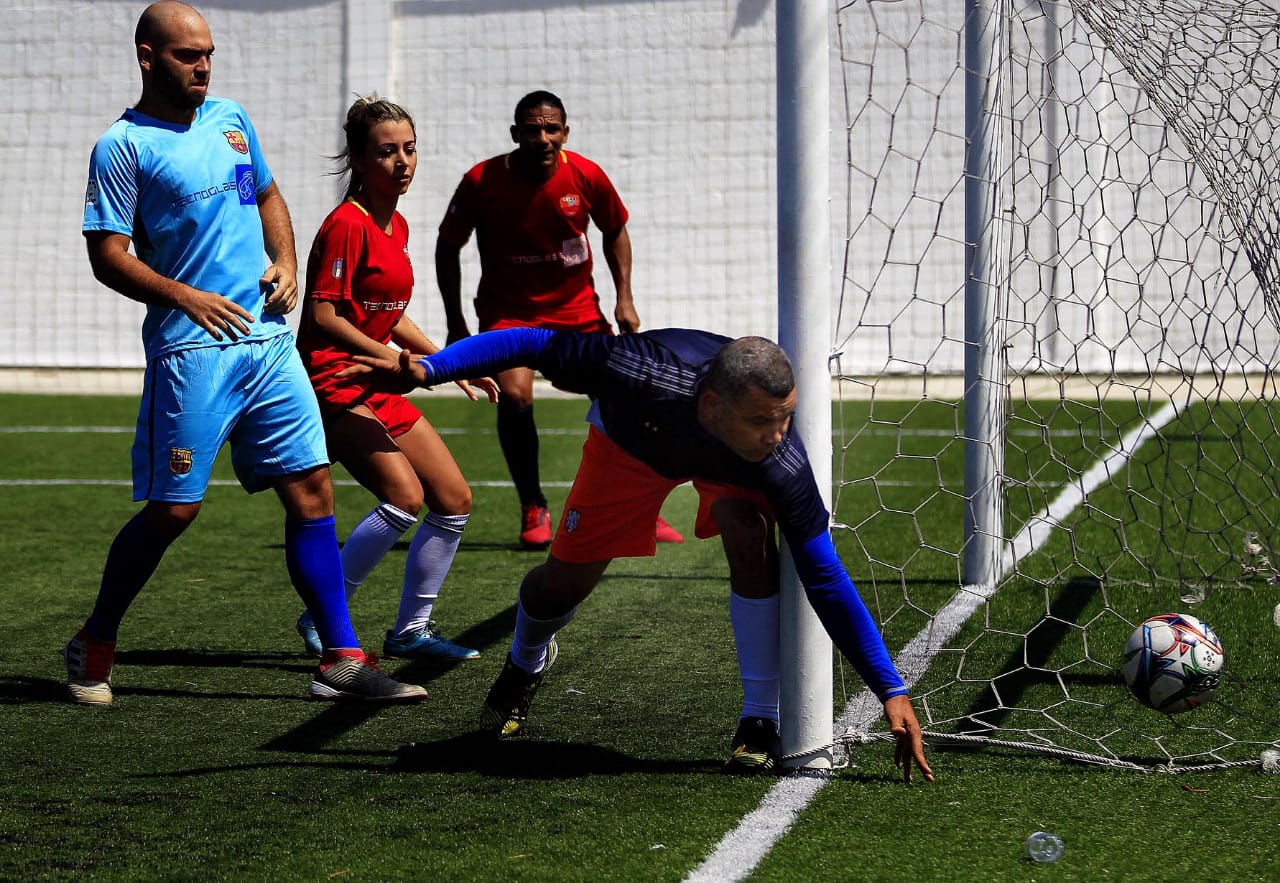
column 339, row 717
column 20, row 690
column 185, row 658
column 530, row 759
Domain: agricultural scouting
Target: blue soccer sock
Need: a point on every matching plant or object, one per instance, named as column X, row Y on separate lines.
column 755, row 635
column 311, row 553
column 135, row 554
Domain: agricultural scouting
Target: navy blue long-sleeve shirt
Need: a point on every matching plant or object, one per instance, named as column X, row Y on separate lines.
column 645, row 387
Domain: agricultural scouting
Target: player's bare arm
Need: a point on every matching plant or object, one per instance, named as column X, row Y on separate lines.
column 909, row 742
column 119, row 269
column 617, row 254
column 335, row 326
column 449, row 281
column 277, row 233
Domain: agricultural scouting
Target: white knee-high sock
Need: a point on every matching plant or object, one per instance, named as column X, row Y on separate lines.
column 430, row 557
column 370, row 541
column 529, row 646
column 755, row 635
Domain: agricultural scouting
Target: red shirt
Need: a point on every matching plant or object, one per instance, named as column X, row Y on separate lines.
column 367, row 273
column 535, row 259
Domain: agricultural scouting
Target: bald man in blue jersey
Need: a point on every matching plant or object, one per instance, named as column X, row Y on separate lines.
column 668, row 407
column 181, row 178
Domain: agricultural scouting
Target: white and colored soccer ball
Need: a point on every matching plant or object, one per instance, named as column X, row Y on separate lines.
column 1172, row 662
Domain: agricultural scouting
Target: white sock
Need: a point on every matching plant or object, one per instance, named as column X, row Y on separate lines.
column 529, row 646
column 370, row 541
column 755, row 635
column 430, row 557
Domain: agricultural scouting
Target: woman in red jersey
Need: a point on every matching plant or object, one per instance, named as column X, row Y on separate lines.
column 359, row 281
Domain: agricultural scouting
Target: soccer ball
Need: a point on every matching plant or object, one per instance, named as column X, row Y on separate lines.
column 1172, row 662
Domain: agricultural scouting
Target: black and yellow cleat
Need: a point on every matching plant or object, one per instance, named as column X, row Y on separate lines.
column 755, row 747
column 507, row 706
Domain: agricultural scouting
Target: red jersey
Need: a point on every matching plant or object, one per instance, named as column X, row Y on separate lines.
column 535, row 259
column 367, row 273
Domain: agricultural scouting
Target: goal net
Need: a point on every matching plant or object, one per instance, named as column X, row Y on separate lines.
column 1130, row 231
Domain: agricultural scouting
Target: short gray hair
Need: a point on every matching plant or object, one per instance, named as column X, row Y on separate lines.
column 747, row 362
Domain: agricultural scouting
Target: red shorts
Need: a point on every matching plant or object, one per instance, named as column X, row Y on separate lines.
column 589, row 325
column 613, row 505
column 393, row 410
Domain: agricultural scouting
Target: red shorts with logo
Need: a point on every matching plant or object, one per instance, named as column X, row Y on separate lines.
column 613, row 506
column 393, row 410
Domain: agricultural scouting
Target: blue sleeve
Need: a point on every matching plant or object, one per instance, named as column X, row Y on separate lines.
column 111, row 199
column 487, row 353
column 836, row 601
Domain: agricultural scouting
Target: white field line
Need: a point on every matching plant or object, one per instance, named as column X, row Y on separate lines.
column 741, row 850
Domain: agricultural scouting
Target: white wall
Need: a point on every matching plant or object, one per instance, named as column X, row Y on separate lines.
column 675, row 99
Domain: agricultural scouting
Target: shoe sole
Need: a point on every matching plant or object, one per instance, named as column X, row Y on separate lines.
column 427, row 653
column 325, row 693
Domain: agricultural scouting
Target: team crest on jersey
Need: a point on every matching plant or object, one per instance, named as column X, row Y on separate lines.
column 336, row 270
column 180, row 460
column 91, row 192
column 569, row 204
column 236, row 140
column 571, row 520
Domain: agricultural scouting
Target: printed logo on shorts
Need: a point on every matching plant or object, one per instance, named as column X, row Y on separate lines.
column 245, row 185
column 571, row 519
column 180, row 460
column 91, row 192
column 237, row 142
column 336, row 270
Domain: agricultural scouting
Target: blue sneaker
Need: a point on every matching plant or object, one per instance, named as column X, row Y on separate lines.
column 310, row 637
column 426, row 644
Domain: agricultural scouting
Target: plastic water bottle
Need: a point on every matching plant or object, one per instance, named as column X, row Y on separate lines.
column 1044, row 847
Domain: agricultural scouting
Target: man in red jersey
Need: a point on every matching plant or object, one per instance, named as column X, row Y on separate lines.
column 530, row 210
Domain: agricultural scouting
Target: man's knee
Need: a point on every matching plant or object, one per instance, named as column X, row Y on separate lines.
column 747, row 535
column 556, row 587
column 307, row 494
column 171, row 519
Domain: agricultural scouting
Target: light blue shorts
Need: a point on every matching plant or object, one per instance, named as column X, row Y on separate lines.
column 254, row 394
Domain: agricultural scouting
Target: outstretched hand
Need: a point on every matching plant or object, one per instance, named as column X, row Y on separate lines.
column 488, row 384
column 388, row 375
column 909, row 742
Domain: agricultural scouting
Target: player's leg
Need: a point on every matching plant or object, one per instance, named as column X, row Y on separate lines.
column 609, row 514
column 133, row 558
column 360, row 441
column 279, row 442
column 179, row 431
column 747, row 533
column 518, row 436
column 549, row 598
column 447, row 496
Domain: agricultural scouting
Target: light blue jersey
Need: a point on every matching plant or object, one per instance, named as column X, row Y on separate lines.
column 188, row 198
